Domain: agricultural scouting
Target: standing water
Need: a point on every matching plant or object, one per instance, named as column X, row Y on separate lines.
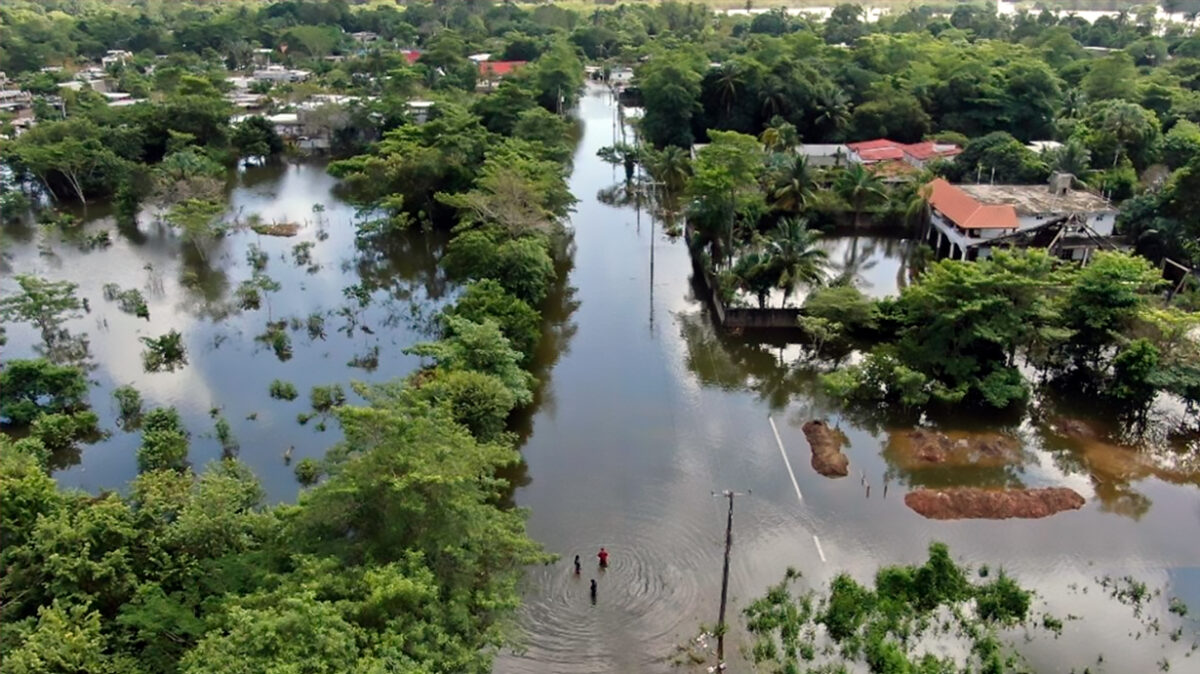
column 651, row 412
column 331, row 338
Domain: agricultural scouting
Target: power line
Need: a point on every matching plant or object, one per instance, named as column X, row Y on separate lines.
column 725, row 578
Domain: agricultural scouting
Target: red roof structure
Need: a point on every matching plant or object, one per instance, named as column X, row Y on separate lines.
column 965, row 211
column 929, row 149
column 411, row 55
column 882, row 149
column 494, row 69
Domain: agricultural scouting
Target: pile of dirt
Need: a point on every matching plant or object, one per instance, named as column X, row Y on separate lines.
column 276, row 229
column 992, row 504
column 826, row 444
column 1076, row 429
column 921, row 447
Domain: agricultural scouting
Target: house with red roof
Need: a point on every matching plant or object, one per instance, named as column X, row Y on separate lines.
column 491, row 72
column 915, row 154
column 967, row 221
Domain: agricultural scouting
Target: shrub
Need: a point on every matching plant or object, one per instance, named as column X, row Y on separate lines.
column 325, row 398
column 308, row 471
column 283, row 390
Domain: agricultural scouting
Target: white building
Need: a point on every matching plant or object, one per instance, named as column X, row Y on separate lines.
column 968, row 220
column 822, row 155
column 278, row 74
column 418, row 111
column 114, row 56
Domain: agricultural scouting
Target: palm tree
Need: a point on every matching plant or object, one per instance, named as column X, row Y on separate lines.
column 860, row 188
column 670, row 167
column 792, row 185
column 1124, row 121
column 1072, row 104
column 833, row 110
column 1073, row 157
column 795, row 256
column 731, row 80
column 779, row 136
column 753, row 272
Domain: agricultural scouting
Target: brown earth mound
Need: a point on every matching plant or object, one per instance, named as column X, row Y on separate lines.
column 921, row 447
column 991, row 504
column 826, row 444
column 1076, row 429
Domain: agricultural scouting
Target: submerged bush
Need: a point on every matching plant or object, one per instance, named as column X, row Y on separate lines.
column 283, row 390
column 308, row 471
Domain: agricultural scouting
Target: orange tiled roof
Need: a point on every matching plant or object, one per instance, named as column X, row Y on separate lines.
column 498, row 68
column 964, row 211
column 882, row 149
column 929, row 150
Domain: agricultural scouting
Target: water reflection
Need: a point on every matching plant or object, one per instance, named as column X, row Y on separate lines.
column 313, row 334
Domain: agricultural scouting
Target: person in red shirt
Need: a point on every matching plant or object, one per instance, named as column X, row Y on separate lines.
column 603, row 555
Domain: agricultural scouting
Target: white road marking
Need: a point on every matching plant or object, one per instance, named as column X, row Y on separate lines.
column 786, row 463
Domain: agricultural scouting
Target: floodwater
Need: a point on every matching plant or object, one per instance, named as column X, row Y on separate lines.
column 651, row 411
column 228, row 369
column 646, row 413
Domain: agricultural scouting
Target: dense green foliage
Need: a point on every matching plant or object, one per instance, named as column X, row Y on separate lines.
column 29, row 388
column 397, row 556
column 958, row 333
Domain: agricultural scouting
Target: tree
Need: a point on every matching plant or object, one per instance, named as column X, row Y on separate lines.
column 164, row 441
column 256, row 137
column 859, row 187
column 724, row 188
column 795, row 255
column 198, row 220
column 481, row 347
column 670, row 89
column 44, row 304
column 1120, row 128
column 29, row 388
column 164, row 353
column 792, row 185
column 891, row 114
column 487, row 299
column 1103, row 298
column 1112, row 77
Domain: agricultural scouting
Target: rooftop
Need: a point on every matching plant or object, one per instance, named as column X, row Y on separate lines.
column 1038, row 199
column 882, row 149
column 967, row 212
column 498, row 68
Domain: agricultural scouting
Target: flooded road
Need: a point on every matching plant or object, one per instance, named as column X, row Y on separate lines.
column 650, row 411
column 645, row 412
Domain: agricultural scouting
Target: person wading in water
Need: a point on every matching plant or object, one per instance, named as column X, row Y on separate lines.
column 593, row 590
column 603, row 555
column 578, row 566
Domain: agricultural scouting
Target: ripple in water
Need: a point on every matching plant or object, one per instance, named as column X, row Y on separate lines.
column 647, row 601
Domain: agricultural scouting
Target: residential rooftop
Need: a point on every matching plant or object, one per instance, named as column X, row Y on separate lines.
column 1038, row 199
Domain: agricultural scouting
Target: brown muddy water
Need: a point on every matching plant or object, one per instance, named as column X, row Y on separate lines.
column 645, row 411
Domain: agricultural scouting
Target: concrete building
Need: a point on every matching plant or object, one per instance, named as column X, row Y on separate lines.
column 280, row 74
column 968, row 221
column 15, row 99
column 419, row 111
column 115, row 56
column 364, row 36
column 824, row 155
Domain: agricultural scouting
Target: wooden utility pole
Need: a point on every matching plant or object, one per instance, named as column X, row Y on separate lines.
column 725, row 581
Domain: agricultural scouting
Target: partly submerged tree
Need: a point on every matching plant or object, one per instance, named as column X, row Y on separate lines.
column 796, row 256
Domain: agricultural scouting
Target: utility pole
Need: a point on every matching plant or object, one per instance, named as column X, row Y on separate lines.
column 725, row 580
